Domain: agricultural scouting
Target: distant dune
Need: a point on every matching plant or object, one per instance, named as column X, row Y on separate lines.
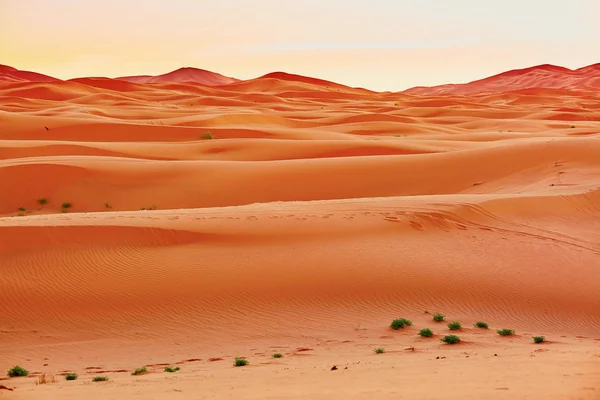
column 183, row 75
column 541, row 76
column 191, row 218
column 14, row 75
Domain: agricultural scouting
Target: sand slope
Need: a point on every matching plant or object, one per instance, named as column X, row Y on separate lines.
column 294, row 215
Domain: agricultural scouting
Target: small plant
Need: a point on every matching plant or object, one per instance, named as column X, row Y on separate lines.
column 42, row 201
column 379, row 350
column 240, row 362
column 426, row 332
column 400, row 323
column 450, row 339
column 21, row 214
column 171, row 369
column 277, row 355
column 438, row 317
column 44, row 379
column 539, row 339
column 22, row 209
column 454, row 326
column 481, row 324
column 207, row 136
column 100, row 379
column 107, row 205
column 17, row 371
column 139, row 371
column 71, row 376
column 66, row 205
column 506, row 332
column 572, row 126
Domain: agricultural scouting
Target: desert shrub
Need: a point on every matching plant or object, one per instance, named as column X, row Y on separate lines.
column 277, row 355
column 481, row 324
column 21, row 209
column 454, row 326
column 505, row 332
column 107, row 205
column 71, row 376
column 539, row 339
column 140, row 370
column 400, row 323
column 426, row 332
column 379, row 350
column 42, row 201
column 240, row 362
column 66, row 205
column 207, row 136
column 17, row 371
column 171, row 369
column 100, row 379
column 450, row 339
column 438, row 317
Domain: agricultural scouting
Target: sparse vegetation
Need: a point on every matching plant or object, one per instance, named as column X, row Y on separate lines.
column 438, row 317
column 450, row 339
column 506, row 332
column 23, row 209
column 572, row 126
column 277, row 355
column 42, row 201
column 400, row 323
column 71, row 376
column 481, row 324
column 17, row 371
column 539, row 339
column 454, row 326
column 171, row 369
column 426, row 332
column 379, row 350
column 207, row 136
column 21, row 214
column 240, row 362
column 100, row 379
column 140, row 370
column 66, row 204
column 152, row 207
column 107, row 205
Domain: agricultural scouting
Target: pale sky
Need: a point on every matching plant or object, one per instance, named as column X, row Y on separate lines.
column 377, row 44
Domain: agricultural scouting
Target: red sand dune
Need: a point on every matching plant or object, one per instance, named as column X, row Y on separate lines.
column 541, row 76
column 183, row 75
column 294, row 215
column 14, row 75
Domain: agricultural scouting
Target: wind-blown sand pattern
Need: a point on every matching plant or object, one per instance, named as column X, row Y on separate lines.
column 315, row 215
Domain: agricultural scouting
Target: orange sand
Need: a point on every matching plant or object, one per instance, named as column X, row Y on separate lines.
column 316, row 215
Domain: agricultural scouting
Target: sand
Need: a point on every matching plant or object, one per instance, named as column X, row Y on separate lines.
column 293, row 215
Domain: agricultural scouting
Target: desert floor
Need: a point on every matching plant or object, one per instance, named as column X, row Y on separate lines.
column 310, row 217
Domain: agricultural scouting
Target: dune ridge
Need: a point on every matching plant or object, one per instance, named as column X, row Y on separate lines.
column 171, row 222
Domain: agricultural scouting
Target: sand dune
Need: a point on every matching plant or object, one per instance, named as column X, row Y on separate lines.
column 196, row 75
column 542, row 76
column 294, row 215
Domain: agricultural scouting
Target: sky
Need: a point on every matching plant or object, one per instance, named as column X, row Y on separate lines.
column 377, row 44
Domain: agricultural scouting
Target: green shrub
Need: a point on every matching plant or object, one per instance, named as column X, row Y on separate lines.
column 100, row 379
column 240, row 362
column 426, row 332
column 438, row 317
column 17, row 371
column 207, row 136
column 450, row 339
column 505, row 332
column 454, row 326
column 539, row 339
column 66, row 205
column 171, row 369
column 379, row 350
column 140, row 370
column 481, row 324
column 71, row 376
column 21, row 209
column 277, row 355
column 400, row 323
column 42, row 201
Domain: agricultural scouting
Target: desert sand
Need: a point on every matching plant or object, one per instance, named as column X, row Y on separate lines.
column 286, row 214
